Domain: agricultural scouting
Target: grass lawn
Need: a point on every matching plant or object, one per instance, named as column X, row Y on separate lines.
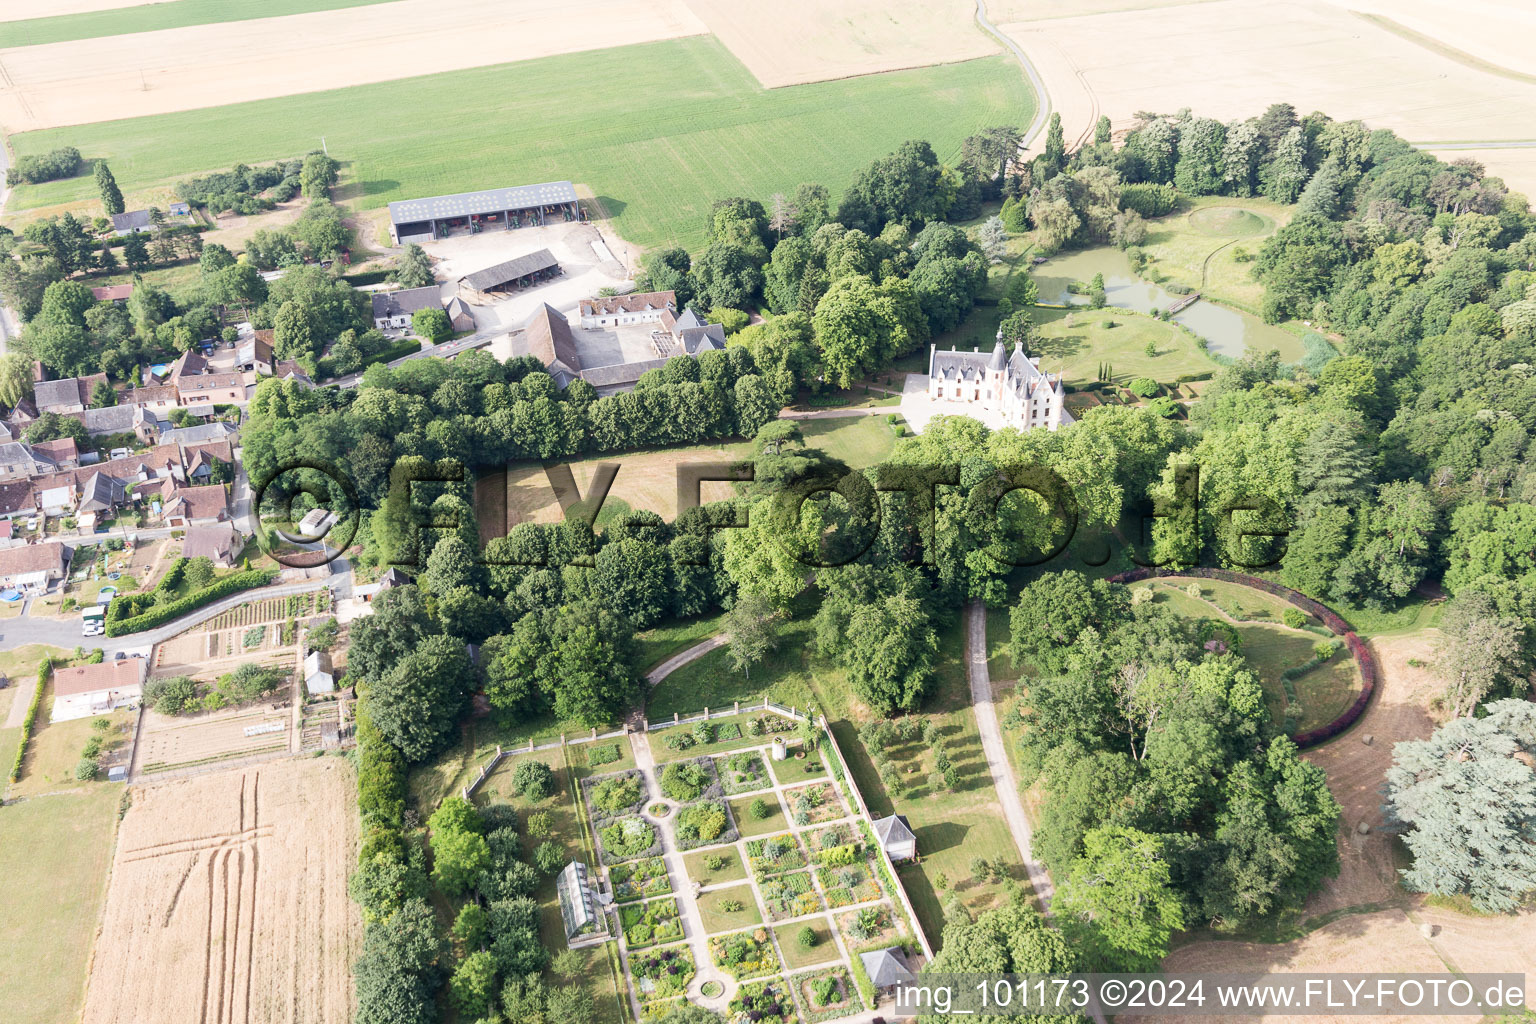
column 733, row 870
column 1199, row 245
column 582, row 754
column 654, row 646
column 62, row 28
column 999, row 633
column 796, row 955
column 54, row 749
column 1074, row 343
column 55, row 852
column 717, row 920
column 786, row 676
column 657, row 152
column 794, row 769
column 860, row 441
column 750, row 826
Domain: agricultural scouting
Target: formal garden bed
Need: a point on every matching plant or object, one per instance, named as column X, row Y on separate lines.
column 628, row 838
column 790, row 895
column 614, row 795
column 718, row 735
column 774, row 854
column 826, row 994
column 745, row 954
column 726, row 910
column 826, row 843
column 706, row 823
column 640, row 879
column 764, row 1002
column 648, row 923
column 742, row 772
column 809, row 805
column 873, row 927
column 662, row 973
column 848, row 884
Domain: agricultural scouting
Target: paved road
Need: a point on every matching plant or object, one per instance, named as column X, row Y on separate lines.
column 677, row 661
column 1043, row 107
column 66, row 632
column 994, row 752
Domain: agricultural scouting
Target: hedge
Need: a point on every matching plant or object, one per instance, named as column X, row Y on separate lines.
column 1335, row 622
column 124, row 614
column 45, row 667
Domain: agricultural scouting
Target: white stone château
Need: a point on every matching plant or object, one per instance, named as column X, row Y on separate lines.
column 998, row 390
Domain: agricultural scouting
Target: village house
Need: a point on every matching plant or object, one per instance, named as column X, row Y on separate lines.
column 63, row 452
column 72, row 394
column 17, row 498
column 255, row 352
column 635, row 308
column 117, row 294
column 33, row 568
column 22, row 461
column 393, row 310
column 131, row 222
column 138, row 420
column 220, row 543
column 86, row 690
column 195, row 506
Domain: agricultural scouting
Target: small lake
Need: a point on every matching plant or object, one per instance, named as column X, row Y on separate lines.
column 1227, row 331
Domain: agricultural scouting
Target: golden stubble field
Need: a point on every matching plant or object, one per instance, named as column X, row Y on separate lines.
column 1232, row 58
column 228, row 901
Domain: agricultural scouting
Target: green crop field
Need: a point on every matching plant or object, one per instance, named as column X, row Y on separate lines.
column 62, row 28
column 658, row 131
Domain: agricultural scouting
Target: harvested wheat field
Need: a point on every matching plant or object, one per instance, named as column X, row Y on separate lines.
column 807, row 41
column 1386, row 941
column 107, row 78
column 1233, row 58
column 228, row 902
column 1356, row 771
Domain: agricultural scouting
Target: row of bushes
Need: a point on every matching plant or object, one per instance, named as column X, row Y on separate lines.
column 130, row 613
column 1327, row 616
column 26, row 723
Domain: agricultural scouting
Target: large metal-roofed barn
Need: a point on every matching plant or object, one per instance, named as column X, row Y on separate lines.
column 418, row 220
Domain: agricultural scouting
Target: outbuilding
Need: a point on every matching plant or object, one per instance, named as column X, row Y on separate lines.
column 896, row 837
column 318, row 675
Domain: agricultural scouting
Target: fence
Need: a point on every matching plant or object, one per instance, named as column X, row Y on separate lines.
column 502, row 753
column 735, row 709
column 1330, row 618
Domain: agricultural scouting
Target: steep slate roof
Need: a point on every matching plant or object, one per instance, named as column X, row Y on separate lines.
column 406, row 301
column 114, row 419
column 56, row 394
column 23, row 457
column 620, row 373
column 693, row 340
column 100, row 493
column 492, row 200
column 550, row 342
column 501, row 273
column 635, row 302
column 885, row 968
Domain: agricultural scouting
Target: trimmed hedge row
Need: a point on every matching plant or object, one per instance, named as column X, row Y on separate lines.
column 127, row 615
column 45, row 667
column 1327, row 616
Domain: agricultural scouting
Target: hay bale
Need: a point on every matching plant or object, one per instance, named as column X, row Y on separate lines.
column 1367, row 739
column 1428, row 930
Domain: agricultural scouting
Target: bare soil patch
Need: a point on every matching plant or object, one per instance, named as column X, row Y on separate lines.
column 106, row 78
column 1385, row 941
column 808, row 41
column 1399, row 711
column 229, row 903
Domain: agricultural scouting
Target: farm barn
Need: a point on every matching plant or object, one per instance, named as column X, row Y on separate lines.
column 503, row 277
column 423, row 220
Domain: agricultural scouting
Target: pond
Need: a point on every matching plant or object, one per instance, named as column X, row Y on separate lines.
column 1229, row 332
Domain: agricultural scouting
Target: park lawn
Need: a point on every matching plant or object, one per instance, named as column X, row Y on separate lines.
column 61, row 28
column 1198, row 245
column 793, row 770
column 796, row 956
column 749, row 826
column 717, row 920
column 786, row 676
column 859, row 441
column 55, row 852
column 733, row 871
column 54, row 750
column 999, row 633
column 10, row 739
column 952, row 828
column 580, row 757
column 654, row 646
column 656, row 153
column 1074, row 342
column 21, row 664
column 1327, row 690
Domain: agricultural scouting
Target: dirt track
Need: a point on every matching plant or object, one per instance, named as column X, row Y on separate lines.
column 228, row 902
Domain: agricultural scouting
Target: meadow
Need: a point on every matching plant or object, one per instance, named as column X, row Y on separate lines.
column 62, row 28
column 658, row 131
column 54, row 856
